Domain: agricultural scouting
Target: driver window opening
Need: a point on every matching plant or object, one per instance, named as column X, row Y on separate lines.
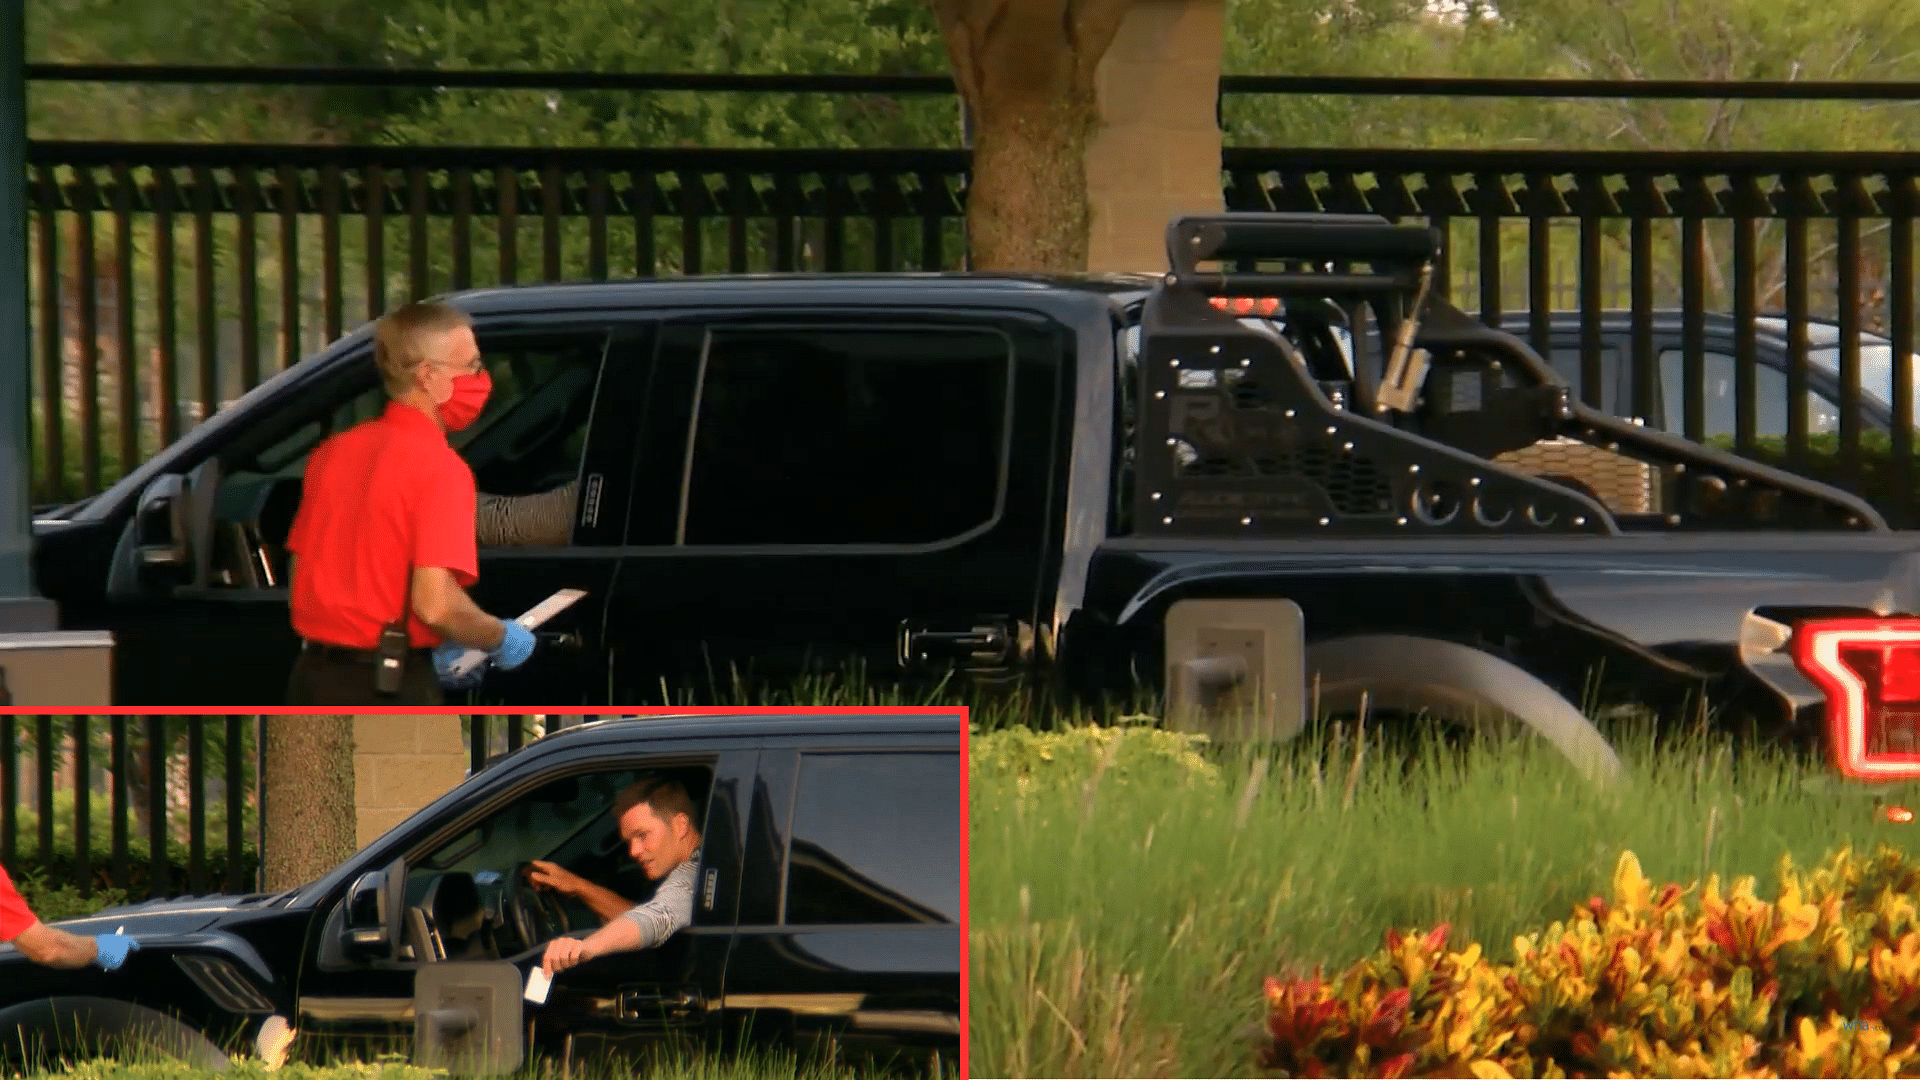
column 525, row 449
column 478, row 896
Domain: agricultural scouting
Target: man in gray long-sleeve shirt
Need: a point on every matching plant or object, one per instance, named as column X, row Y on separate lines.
column 656, row 819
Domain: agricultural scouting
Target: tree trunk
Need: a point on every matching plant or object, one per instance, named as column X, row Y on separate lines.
column 1026, row 71
column 309, row 825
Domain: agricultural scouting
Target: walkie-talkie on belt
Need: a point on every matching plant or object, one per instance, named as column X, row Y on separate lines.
column 390, row 655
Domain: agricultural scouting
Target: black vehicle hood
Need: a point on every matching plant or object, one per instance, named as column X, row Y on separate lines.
column 180, row 915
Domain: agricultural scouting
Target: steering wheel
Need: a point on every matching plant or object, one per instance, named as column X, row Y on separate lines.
column 534, row 917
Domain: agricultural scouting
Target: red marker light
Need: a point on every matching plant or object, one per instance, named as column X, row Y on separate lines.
column 1247, row 307
column 1899, row 815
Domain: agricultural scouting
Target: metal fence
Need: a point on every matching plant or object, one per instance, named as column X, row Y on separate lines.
column 169, row 279
column 156, row 806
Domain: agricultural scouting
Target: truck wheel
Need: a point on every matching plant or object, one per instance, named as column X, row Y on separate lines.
column 43, row 1033
column 1412, row 675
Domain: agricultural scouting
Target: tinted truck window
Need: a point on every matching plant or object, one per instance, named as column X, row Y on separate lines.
column 1770, row 398
column 847, row 435
column 876, row 839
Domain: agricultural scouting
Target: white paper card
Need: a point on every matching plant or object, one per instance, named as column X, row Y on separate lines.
column 533, row 617
column 538, row 983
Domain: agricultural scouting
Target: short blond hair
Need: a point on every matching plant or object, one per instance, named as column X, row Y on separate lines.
column 403, row 340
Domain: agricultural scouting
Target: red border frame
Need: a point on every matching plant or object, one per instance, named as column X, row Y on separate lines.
column 966, row 725
column 1816, row 652
column 572, row 710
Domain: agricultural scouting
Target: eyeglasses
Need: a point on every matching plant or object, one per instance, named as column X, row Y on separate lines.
column 471, row 367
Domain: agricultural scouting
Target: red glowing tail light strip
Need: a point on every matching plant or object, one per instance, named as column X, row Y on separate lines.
column 1816, row 650
column 1264, row 307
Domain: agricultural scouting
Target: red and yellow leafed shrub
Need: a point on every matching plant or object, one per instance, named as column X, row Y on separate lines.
column 1823, row 980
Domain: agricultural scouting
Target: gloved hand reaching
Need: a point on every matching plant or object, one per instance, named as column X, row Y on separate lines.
column 514, row 648
column 443, row 661
column 112, row 950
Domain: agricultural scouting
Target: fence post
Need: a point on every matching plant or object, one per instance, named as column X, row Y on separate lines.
column 236, row 807
column 82, row 806
column 43, row 786
column 20, row 609
column 159, row 882
column 260, row 803
column 9, row 791
column 117, row 759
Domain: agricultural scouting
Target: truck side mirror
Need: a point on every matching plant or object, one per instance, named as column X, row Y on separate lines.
column 160, row 533
column 368, row 935
column 467, row 1018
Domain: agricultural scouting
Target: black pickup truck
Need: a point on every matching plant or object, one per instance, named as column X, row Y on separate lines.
column 1047, row 478
column 827, row 907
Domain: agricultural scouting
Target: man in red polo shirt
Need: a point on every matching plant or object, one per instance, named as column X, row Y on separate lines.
column 383, row 542
column 50, row 946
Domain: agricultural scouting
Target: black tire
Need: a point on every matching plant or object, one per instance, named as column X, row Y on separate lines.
column 43, row 1033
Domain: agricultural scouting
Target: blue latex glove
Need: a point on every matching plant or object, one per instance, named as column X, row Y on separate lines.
column 513, row 649
column 443, row 658
column 113, row 950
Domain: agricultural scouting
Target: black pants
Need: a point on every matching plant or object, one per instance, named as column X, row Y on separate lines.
column 329, row 679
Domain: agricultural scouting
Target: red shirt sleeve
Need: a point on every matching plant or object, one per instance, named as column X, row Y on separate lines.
column 15, row 918
column 443, row 529
column 309, row 481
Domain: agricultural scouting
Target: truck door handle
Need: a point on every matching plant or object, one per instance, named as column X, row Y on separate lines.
column 644, row 1005
column 989, row 642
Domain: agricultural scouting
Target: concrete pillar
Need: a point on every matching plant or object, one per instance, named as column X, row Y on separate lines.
column 400, row 764
column 1156, row 154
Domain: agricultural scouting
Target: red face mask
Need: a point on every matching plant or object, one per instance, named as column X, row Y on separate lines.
column 469, row 397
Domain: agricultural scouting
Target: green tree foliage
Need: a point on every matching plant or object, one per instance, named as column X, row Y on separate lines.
column 761, row 36
column 1619, row 39
column 1731, row 39
column 263, row 32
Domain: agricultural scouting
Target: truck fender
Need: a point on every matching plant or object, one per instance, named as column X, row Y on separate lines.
column 64, row 1025
column 1402, row 671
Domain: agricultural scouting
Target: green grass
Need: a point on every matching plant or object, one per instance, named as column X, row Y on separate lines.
column 665, row 1066
column 1125, row 908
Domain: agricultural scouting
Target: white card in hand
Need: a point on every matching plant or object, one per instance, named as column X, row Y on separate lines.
column 531, row 618
column 538, row 983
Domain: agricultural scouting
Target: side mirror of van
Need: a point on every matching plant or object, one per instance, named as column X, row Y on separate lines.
column 161, row 550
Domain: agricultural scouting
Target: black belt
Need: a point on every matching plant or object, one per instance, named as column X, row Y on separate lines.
column 345, row 655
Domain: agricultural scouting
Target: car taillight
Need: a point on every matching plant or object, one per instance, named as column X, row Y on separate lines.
column 1870, row 671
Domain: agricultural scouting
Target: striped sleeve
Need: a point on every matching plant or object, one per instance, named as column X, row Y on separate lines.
column 670, row 910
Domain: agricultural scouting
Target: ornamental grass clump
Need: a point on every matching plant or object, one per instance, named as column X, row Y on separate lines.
column 1822, row 980
column 1077, row 755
